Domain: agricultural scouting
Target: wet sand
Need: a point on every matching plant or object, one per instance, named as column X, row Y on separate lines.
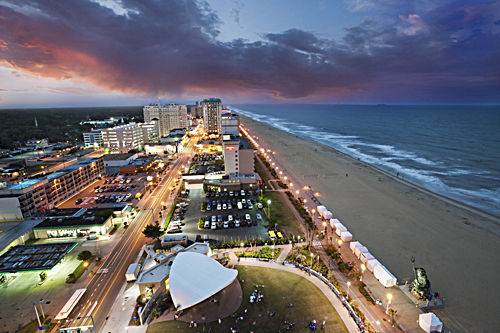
column 458, row 246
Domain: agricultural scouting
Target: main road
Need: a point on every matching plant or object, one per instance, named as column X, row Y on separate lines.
column 104, row 287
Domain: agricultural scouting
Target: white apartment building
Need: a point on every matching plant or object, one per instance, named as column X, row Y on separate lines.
column 123, row 138
column 168, row 116
column 229, row 123
column 212, row 115
column 150, row 132
column 92, row 138
column 238, row 156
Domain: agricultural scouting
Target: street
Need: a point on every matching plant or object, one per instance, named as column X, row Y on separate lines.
column 104, row 287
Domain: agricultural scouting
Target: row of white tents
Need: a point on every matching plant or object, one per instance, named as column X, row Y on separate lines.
column 381, row 273
column 429, row 322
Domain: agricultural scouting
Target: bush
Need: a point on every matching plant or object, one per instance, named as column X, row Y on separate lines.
column 79, row 270
column 365, row 293
column 84, row 255
column 113, row 230
column 264, row 253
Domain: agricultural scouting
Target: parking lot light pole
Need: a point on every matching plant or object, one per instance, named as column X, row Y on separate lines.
column 269, row 208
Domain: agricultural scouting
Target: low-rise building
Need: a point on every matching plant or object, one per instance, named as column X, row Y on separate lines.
column 75, row 223
column 33, row 196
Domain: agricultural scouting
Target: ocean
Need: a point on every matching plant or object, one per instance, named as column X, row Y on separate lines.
column 450, row 150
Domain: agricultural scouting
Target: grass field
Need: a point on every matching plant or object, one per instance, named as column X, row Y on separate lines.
column 281, row 213
column 280, row 290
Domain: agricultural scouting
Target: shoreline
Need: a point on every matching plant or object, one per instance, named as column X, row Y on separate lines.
column 397, row 219
column 472, row 209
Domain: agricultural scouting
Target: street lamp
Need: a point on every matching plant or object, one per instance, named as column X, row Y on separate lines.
column 40, row 302
column 389, row 300
column 269, row 208
column 363, row 269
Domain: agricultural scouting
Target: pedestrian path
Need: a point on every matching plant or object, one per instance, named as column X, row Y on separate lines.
column 285, row 251
column 121, row 312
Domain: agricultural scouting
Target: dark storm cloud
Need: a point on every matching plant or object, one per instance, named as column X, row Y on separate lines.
column 444, row 53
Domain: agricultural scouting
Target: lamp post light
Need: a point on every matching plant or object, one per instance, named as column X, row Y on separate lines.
column 269, row 208
column 389, row 300
column 363, row 269
column 40, row 302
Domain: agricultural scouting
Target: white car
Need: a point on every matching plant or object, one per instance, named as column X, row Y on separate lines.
column 229, row 206
column 219, row 206
column 214, row 218
column 224, row 206
column 250, row 206
column 225, row 225
column 240, row 205
column 259, row 205
column 258, row 216
column 242, row 192
column 236, row 223
column 243, row 201
column 206, row 225
column 230, row 218
column 214, row 225
column 247, row 217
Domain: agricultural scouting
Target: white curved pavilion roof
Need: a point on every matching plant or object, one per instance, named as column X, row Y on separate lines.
column 194, row 277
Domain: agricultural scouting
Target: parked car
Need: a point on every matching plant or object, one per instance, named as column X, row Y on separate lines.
column 230, row 218
column 225, row 225
column 247, row 217
column 206, row 225
column 259, row 205
column 214, row 226
column 237, row 223
column 240, row 205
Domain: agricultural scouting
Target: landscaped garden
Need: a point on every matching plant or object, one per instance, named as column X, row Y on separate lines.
column 265, row 252
column 289, row 301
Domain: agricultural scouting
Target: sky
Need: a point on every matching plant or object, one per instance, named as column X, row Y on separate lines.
column 134, row 52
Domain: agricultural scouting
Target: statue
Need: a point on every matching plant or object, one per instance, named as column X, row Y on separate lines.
column 420, row 286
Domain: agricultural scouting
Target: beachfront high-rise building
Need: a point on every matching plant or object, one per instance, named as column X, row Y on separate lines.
column 238, row 156
column 92, row 138
column 212, row 108
column 169, row 116
column 123, row 138
column 229, row 123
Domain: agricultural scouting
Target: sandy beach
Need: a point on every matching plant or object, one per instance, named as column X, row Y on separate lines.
column 457, row 246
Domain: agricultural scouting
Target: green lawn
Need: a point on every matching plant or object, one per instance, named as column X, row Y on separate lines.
column 280, row 289
column 281, row 213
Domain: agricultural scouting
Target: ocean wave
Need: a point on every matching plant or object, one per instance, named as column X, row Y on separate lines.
column 428, row 176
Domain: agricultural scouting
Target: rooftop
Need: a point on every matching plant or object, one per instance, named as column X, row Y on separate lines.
column 83, row 217
column 117, row 157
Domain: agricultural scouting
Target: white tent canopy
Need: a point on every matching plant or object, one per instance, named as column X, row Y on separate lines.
column 364, row 257
column 385, row 277
column 189, row 284
column 371, row 263
column 346, row 236
column 429, row 322
column 354, row 245
column 360, row 249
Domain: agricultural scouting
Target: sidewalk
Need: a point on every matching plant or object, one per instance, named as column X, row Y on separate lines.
column 341, row 310
column 407, row 312
column 121, row 312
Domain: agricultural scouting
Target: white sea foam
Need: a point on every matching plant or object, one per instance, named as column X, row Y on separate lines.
column 428, row 178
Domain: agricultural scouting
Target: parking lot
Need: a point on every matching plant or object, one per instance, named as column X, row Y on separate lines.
column 221, row 216
column 108, row 192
